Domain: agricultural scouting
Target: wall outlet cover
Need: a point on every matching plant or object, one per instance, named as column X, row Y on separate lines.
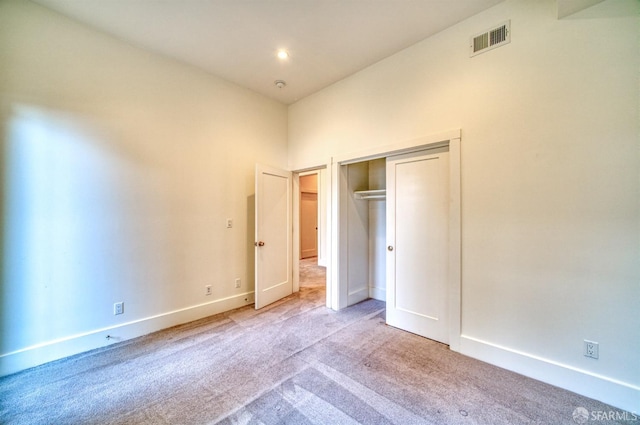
column 591, row 349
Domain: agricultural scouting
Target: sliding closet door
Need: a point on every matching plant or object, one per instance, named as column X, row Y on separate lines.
column 417, row 243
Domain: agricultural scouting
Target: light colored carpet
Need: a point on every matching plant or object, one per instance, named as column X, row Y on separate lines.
column 294, row 362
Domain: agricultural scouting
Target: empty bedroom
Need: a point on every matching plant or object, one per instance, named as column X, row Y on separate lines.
column 318, row 211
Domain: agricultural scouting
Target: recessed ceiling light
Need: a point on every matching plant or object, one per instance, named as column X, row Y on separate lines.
column 283, row 54
column 280, row 84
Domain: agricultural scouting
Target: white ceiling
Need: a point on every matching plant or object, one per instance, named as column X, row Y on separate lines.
column 237, row 40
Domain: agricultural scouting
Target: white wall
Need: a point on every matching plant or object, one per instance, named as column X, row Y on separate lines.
column 119, row 169
column 550, row 187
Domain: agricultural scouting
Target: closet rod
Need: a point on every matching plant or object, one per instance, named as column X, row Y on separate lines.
column 370, row 194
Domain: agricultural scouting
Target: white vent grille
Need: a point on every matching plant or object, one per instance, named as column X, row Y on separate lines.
column 490, row 39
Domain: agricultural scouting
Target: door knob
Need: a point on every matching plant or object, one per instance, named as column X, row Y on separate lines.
column 390, row 248
column 259, row 243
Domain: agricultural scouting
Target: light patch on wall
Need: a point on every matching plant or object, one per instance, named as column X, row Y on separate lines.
column 62, row 225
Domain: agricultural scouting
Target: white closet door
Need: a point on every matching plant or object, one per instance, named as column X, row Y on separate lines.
column 417, row 239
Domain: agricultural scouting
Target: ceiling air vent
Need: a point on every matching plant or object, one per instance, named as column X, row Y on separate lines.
column 490, row 39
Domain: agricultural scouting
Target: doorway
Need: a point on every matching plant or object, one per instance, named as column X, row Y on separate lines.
column 309, row 239
column 312, row 275
column 277, row 218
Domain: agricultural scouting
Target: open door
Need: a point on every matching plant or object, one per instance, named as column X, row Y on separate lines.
column 273, row 246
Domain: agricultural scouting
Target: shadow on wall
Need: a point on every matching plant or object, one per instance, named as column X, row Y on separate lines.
column 251, row 252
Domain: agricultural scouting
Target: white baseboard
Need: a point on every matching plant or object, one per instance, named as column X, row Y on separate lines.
column 57, row 349
column 619, row 394
column 378, row 293
column 357, row 296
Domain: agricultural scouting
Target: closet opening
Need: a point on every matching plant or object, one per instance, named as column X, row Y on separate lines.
column 363, row 221
column 396, row 236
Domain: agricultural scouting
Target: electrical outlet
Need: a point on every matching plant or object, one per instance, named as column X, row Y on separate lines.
column 118, row 308
column 207, row 290
column 229, row 223
column 591, row 349
column 238, row 281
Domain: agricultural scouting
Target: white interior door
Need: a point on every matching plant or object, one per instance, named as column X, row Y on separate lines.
column 273, row 256
column 417, row 239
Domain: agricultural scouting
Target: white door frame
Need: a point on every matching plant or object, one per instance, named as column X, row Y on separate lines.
column 336, row 289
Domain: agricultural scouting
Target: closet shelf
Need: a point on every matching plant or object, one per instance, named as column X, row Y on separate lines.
column 370, row 194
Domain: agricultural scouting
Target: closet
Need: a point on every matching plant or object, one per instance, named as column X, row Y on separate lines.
column 394, row 237
column 364, row 238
